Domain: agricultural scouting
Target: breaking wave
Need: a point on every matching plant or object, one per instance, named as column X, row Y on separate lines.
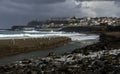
column 38, row 34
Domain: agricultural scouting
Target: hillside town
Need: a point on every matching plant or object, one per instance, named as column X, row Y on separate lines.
column 68, row 22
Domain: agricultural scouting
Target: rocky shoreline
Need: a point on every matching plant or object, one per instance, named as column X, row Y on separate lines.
column 100, row 58
column 96, row 62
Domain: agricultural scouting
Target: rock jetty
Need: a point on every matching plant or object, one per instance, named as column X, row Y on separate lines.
column 16, row 46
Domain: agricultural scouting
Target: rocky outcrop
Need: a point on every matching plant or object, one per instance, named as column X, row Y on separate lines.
column 91, row 29
column 97, row 62
column 110, row 37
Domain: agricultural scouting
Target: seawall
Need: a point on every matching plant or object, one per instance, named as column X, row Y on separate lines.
column 17, row 46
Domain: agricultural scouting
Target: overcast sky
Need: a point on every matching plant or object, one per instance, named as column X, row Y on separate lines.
column 19, row 12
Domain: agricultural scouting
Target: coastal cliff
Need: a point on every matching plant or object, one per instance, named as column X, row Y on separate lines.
column 91, row 29
column 111, row 39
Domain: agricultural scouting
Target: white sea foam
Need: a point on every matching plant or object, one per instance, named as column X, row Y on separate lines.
column 39, row 34
column 33, row 31
column 43, row 32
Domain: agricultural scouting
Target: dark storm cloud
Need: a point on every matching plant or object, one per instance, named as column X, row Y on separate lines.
column 38, row 1
column 16, row 12
column 19, row 12
column 117, row 3
column 97, row 0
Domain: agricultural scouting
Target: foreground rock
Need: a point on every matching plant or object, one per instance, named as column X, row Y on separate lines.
column 104, row 61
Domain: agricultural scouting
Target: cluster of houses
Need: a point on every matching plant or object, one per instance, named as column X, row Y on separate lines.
column 69, row 21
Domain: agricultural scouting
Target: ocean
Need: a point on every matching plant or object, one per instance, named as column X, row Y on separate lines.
column 5, row 34
column 78, row 40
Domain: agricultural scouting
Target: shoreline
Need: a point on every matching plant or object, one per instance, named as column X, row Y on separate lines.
column 99, row 58
column 94, row 62
column 17, row 46
column 69, row 47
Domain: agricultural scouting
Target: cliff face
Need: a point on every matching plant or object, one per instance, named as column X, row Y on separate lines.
column 91, row 29
column 110, row 37
column 76, row 29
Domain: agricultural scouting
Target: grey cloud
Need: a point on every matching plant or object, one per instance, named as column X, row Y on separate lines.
column 38, row 1
column 19, row 12
column 97, row 0
column 104, row 8
column 117, row 3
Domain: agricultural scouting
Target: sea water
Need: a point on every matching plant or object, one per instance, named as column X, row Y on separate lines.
column 78, row 40
column 5, row 34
